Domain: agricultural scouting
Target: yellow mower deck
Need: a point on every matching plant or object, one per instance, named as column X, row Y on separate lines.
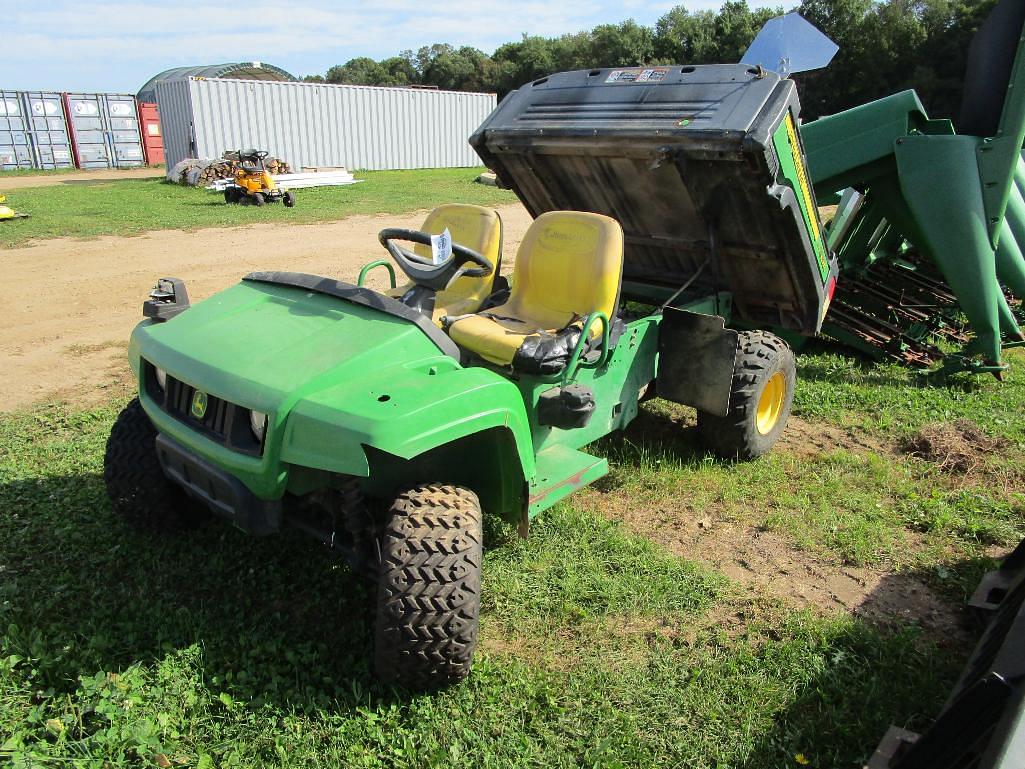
column 6, row 212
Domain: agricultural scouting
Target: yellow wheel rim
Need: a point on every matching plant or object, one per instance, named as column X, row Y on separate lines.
column 770, row 404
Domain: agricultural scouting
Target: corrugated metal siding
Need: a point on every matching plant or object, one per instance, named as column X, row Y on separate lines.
column 105, row 129
column 49, row 129
column 175, row 120
column 312, row 124
column 15, row 146
column 33, row 131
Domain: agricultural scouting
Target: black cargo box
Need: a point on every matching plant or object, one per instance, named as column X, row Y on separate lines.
column 691, row 161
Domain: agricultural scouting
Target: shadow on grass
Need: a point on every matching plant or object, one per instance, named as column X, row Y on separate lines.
column 653, row 434
column 882, row 670
column 278, row 620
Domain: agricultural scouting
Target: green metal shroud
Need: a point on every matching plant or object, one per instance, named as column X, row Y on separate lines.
column 955, row 199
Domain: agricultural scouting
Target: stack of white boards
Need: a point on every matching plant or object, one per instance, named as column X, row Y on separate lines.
column 337, row 178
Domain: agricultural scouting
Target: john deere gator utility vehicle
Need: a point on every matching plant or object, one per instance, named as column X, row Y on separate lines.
column 673, row 220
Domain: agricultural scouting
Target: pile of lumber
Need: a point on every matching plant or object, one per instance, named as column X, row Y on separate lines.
column 197, row 172
column 338, row 177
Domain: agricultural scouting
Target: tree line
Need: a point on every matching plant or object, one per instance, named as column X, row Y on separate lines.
column 885, row 46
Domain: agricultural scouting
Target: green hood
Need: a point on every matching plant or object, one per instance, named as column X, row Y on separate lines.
column 335, row 375
column 264, row 345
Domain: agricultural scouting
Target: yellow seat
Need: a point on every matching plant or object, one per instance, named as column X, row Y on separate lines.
column 569, row 265
column 475, row 227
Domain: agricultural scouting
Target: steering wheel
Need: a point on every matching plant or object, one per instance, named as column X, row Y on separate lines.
column 423, row 272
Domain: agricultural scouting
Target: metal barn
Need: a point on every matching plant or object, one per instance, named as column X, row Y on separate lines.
column 320, row 125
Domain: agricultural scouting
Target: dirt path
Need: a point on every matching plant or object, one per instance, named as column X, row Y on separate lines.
column 8, row 183
column 70, row 305
column 772, row 565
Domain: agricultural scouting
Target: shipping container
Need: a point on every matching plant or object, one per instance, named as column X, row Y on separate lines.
column 15, row 147
column 104, row 130
column 152, row 138
column 33, row 131
column 321, row 125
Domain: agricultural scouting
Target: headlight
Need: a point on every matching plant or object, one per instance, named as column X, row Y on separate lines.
column 161, row 377
column 258, row 423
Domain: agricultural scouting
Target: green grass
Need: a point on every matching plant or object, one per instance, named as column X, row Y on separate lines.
column 891, row 400
column 133, row 206
column 598, row 648
column 21, row 172
column 866, row 504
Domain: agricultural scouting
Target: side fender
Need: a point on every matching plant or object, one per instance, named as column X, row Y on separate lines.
column 415, row 412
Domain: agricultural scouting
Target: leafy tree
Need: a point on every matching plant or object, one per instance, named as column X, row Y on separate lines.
column 360, row 71
column 682, row 37
column 621, row 45
column 466, row 69
column 885, row 46
column 523, row 61
column 736, row 26
column 400, row 71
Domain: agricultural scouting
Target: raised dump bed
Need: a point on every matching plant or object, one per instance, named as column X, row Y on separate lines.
column 702, row 166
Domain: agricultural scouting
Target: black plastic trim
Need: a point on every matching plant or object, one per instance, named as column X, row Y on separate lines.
column 363, row 296
column 222, row 492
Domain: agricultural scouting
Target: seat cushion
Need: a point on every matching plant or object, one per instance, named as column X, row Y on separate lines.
column 570, row 263
column 494, row 336
column 502, row 339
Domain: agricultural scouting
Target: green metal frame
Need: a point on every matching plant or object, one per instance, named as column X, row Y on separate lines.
column 574, row 359
column 361, row 280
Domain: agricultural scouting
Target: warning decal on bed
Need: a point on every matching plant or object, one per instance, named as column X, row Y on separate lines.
column 637, row 75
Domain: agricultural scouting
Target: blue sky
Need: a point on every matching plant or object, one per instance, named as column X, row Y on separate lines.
column 61, row 45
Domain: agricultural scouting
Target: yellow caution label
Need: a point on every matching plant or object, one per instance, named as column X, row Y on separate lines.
column 802, row 177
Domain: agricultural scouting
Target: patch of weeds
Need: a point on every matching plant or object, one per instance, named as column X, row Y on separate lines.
column 891, row 400
column 967, row 514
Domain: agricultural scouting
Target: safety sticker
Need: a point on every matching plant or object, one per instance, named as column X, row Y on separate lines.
column 637, row 75
column 441, row 247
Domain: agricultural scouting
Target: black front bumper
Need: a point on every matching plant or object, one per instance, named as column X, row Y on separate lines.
column 223, row 493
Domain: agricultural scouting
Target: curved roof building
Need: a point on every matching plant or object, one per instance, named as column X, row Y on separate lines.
column 245, row 70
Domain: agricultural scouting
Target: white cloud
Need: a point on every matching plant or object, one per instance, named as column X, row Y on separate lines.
column 119, row 45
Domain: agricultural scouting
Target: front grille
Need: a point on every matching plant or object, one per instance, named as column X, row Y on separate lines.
column 223, row 422
column 215, row 418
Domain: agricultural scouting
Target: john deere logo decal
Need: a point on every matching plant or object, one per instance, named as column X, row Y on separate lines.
column 199, row 405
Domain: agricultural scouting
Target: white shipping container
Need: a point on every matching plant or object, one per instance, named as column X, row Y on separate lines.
column 320, row 125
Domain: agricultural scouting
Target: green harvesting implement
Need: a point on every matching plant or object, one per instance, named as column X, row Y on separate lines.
column 930, row 225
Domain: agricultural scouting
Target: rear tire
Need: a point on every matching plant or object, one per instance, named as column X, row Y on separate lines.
column 288, row 199
column 761, row 396
column 136, row 485
column 428, row 591
column 258, row 199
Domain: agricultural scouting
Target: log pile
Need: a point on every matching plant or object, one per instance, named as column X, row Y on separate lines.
column 203, row 173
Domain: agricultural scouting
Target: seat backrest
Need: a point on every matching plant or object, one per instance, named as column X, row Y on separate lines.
column 569, row 263
column 477, row 228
